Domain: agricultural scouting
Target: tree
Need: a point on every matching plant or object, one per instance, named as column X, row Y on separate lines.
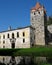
column 49, row 22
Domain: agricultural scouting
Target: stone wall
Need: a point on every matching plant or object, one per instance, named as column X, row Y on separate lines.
column 32, row 37
column 37, row 21
column 19, row 40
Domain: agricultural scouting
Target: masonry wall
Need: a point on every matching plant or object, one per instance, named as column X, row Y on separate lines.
column 37, row 21
column 32, row 36
column 19, row 40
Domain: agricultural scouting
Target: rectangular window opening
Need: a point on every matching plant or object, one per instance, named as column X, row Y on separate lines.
column 3, row 46
column 3, row 42
column 23, row 33
column 17, row 34
column 3, row 36
column 23, row 40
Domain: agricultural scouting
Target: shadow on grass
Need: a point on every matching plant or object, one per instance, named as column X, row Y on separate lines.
column 8, row 52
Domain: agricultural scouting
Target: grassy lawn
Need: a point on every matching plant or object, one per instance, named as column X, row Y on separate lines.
column 36, row 51
column 45, row 64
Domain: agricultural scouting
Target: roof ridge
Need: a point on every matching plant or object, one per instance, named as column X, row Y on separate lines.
column 37, row 6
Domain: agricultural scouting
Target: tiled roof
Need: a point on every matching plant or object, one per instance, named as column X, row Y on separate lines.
column 38, row 6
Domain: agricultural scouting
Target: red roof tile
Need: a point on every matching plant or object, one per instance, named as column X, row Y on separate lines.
column 38, row 6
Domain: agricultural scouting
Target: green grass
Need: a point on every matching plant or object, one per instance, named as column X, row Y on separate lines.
column 36, row 51
column 44, row 64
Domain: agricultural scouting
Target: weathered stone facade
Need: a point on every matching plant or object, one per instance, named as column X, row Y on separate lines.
column 24, row 38
column 38, row 22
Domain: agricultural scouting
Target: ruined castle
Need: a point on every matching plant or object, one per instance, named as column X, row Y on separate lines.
column 38, row 33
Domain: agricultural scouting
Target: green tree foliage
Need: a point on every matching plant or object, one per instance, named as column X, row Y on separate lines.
column 49, row 22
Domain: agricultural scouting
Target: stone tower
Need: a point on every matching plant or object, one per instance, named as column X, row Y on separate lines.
column 38, row 21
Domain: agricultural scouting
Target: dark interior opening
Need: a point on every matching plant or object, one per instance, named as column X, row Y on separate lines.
column 13, row 45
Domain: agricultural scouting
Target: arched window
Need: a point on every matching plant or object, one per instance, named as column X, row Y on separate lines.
column 12, row 35
column 8, row 35
column 17, row 34
column 23, row 40
column 23, row 33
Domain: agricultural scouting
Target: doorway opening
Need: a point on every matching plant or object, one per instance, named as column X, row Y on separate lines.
column 13, row 45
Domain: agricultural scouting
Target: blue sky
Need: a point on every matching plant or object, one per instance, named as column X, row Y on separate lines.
column 16, row 13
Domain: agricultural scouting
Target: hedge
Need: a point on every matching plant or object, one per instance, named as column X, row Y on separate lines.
column 36, row 51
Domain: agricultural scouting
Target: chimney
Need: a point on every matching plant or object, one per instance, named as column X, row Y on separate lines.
column 9, row 28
